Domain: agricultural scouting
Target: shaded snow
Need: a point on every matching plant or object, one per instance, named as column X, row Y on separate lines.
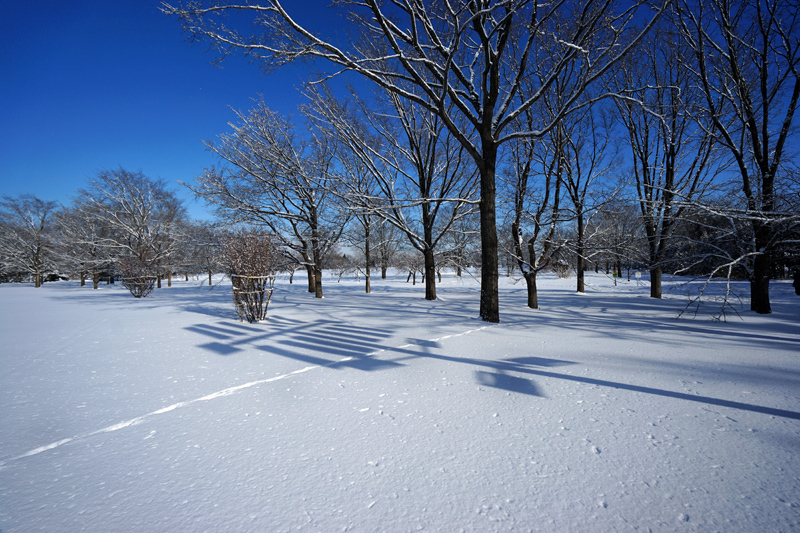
column 385, row 412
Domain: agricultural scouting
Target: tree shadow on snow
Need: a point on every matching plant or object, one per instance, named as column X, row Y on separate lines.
column 322, row 342
column 499, row 380
column 338, row 345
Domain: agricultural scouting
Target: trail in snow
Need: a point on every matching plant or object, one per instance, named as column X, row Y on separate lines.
column 219, row 394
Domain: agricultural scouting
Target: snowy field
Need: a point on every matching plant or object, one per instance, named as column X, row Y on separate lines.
column 384, row 412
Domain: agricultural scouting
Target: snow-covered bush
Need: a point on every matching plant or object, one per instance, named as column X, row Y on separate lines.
column 138, row 276
column 251, row 260
column 561, row 268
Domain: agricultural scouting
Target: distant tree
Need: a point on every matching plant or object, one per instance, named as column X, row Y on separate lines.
column 461, row 244
column 26, row 237
column 203, row 247
column 588, row 158
column 413, row 262
column 363, row 218
column 81, row 246
column 143, row 216
column 618, row 237
column 536, row 206
column 274, row 178
column 387, row 242
column 138, row 275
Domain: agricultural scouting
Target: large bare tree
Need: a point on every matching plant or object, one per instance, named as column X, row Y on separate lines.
column 461, row 60
column 535, row 179
column 671, row 153
column 142, row 217
column 746, row 60
column 274, row 178
column 403, row 167
column 588, row 157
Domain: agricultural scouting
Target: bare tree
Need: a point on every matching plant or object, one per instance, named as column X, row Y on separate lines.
column 461, row 61
column 276, row 179
column 25, row 241
column 402, row 167
column 588, row 157
column 671, row 152
column 81, row 243
column 746, row 60
column 459, row 244
column 412, row 262
column 144, row 217
column 357, row 177
column 535, row 205
column 203, row 243
column 387, row 242
column 617, row 236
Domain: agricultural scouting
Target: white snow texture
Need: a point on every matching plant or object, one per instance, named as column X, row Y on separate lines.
column 386, row 412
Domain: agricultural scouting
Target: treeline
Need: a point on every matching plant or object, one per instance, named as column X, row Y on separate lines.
column 577, row 135
column 535, row 116
column 123, row 224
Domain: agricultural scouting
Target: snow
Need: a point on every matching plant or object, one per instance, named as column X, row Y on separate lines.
column 385, row 412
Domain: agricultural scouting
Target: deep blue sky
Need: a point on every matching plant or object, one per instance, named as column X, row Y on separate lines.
column 98, row 84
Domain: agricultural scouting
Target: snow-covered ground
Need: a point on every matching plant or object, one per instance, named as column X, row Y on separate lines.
column 385, row 412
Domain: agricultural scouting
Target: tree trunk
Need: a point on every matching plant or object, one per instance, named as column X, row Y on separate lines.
column 655, row 282
column 83, row 279
column 428, row 276
column 95, row 279
column 312, row 286
column 367, row 257
column 383, row 272
column 489, row 302
column 317, row 267
column 580, row 250
column 317, row 274
column 209, row 278
column 533, row 294
column 169, row 278
column 759, row 284
column 317, row 281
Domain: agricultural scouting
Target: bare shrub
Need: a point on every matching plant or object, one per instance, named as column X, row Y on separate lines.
column 138, row 276
column 561, row 268
column 251, row 260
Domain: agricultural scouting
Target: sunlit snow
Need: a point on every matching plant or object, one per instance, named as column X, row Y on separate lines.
column 386, row 412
